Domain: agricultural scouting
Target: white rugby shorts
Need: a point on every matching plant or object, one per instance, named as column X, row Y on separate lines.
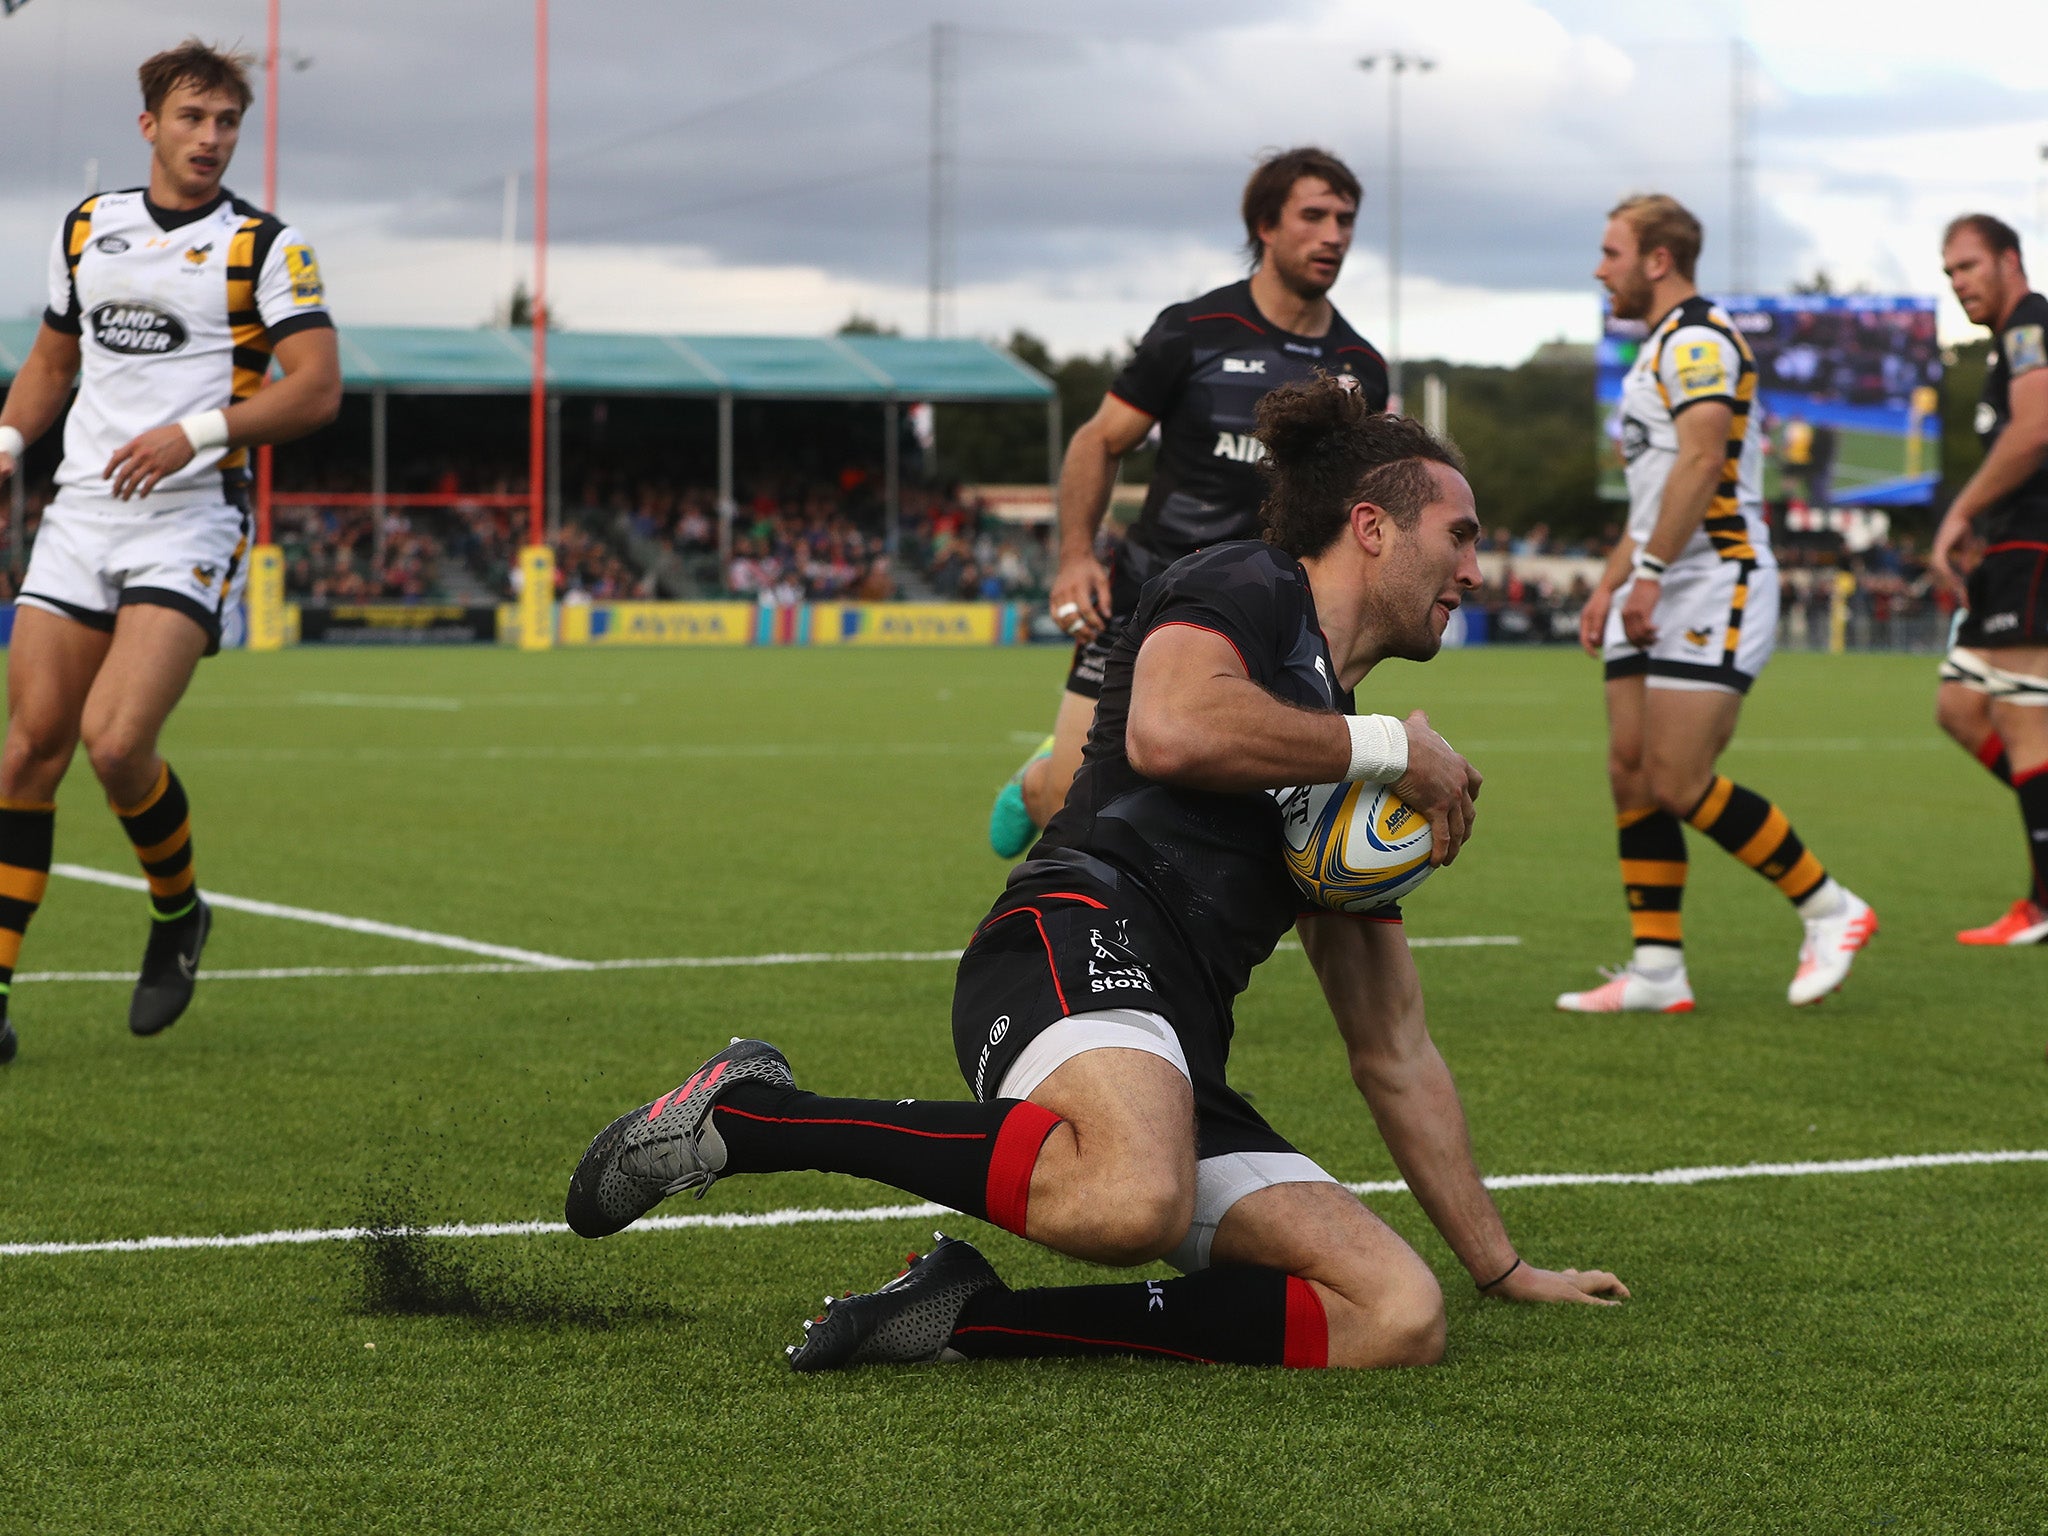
column 92, row 559
column 1717, row 624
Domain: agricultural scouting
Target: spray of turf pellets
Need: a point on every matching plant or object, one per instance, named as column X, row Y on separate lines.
column 403, row 1271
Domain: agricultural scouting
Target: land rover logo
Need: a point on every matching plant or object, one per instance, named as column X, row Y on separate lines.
column 113, row 245
column 141, row 330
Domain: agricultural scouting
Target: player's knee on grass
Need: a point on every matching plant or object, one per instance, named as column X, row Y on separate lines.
column 1391, row 1316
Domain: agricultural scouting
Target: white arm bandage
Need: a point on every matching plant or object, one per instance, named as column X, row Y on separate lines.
column 1379, row 749
column 12, row 443
column 208, row 429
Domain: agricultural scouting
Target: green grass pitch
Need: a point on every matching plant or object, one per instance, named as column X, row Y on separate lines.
column 1840, row 1353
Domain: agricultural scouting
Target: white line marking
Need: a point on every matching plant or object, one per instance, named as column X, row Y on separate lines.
column 437, row 703
column 1506, row 746
column 378, row 701
column 651, row 752
column 800, row 1216
column 655, row 963
column 529, row 957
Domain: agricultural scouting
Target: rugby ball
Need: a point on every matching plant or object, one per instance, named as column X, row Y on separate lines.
column 1352, row 847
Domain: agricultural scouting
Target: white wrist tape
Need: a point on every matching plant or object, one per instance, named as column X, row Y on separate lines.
column 12, row 443
column 208, row 429
column 1379, row 749
column 1647, row 564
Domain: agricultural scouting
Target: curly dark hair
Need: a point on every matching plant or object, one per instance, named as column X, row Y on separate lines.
column 193, row 63
column 1327, row 450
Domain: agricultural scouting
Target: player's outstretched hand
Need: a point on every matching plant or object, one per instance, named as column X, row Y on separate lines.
column 140, row 462
column 1593, row 621
column 1592, row 1287
column 1440, row 785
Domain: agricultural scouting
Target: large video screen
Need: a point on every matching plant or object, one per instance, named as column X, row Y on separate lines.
column 1849, row 388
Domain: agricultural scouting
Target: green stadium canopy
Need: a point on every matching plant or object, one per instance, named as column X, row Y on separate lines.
column 892, row 371
column 432, row 360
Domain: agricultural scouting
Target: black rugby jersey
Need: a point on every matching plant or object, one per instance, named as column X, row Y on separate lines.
column 1201, row 371
column 2019, row 348
column 1211, row 862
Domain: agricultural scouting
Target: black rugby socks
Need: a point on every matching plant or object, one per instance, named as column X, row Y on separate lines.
column 27, row 835
column 2032, row 788
column 1227, row 1316
column 975, row 1158
column 160, row 827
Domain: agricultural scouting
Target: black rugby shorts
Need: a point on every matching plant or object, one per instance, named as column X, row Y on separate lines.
column 1050, row 950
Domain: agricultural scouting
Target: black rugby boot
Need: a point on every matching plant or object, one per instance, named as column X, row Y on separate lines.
column 662, row 1148
column 170, row 970
column 909, row 1321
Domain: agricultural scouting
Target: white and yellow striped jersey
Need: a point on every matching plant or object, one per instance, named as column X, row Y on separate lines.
column 1693, row 355
column 176, row 312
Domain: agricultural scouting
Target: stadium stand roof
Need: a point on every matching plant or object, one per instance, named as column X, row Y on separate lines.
column 446, row 360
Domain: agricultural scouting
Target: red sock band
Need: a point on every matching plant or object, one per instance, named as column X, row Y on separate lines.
column 1009, row 1168
column 1990, row 750
column 2029, row 776
column 1307, row 1340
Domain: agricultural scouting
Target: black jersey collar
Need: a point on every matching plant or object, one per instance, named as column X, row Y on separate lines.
column 168, row 219
column 1327, row 342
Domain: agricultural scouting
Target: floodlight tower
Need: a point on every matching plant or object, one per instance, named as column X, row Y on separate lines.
column 1396, row 65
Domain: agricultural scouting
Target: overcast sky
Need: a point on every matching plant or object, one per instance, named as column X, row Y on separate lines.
column 763, row 168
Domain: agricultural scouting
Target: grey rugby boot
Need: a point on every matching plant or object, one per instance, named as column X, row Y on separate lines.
column 170, row 970
column 909, row 1321
column 662, row 1148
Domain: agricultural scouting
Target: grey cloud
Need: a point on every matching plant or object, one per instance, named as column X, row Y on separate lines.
column 1082, row 143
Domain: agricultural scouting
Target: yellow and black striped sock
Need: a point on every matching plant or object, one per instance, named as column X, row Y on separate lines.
column 1653, row 874
column 27, row 834
column 1756, row 832
column 160, row 827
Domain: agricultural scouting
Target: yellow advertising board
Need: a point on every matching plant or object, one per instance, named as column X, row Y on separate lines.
column 666, row 624
column 904, row 623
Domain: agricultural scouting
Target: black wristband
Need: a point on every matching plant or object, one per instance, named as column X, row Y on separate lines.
column 1496, row 1280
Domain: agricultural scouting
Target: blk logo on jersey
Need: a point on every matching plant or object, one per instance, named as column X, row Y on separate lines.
column 1241, row 446
column 139, row 330
column 1244, row 365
